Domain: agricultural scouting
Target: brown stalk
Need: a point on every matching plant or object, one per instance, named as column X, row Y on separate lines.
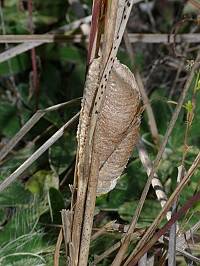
column 126, row 240
column 109, row 30
column 94, row 31
column 89, row 212
column 151, row 230
column 57, row 248
column 164, row 229
column 101, row 156
column 83, row 202
column 58, row 37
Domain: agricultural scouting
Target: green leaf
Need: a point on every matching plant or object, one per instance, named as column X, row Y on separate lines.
column 56, row 201
column 42, row 181
column 15, row 196
column 18, row 64
column 62, row 153
column 188, row 106
column 149, row 212
column 9, row 122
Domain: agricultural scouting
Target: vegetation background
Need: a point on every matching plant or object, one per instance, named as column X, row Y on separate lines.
column 53, row 73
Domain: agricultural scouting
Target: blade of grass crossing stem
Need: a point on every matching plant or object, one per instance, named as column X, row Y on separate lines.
column 30, row 123
column 10, row 179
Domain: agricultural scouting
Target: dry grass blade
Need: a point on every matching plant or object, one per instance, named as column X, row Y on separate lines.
column 30, row 123
column 159, row 155
column 133, row 259
column 173, row 229
column 143, row 260
column 156, row 184
column 126, row 240
column 39, row 39
column 21, row 48
column 57, row 248
column 149, row 233
column 137, row 234
column 164, row 38
column 66, row 222
column 10, row 179
column 188, row 256
column 172, row 242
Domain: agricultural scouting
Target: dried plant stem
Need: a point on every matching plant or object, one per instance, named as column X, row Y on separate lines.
column 31, row 41
column 21, row 48
column 109, row 35
column 10, row 179
column 57, row 248
column 66, row 224
column 156, row 184
column 95, row 33
column 89, row 213
column 126, row 239
column 150, row 238
column 30, row 123
column 39, row 39
column 149, row 233
column 173, row 229
column 113, row 248
column 88, row 169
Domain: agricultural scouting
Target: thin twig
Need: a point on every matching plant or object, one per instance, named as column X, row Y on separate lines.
column 164, row 38
column 21, row 48
column 39, row 39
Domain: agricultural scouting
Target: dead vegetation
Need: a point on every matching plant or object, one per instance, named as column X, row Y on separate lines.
column 149, row 104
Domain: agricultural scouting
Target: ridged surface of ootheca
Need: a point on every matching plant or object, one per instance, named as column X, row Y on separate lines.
column 117, row 126
column 118, row 122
